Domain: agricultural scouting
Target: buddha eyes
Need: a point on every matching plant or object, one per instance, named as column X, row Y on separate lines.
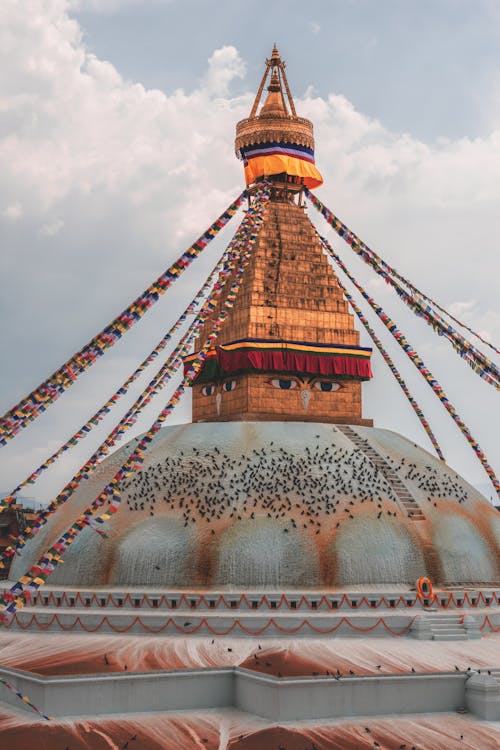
column 284, row 384
column 228, row 385
column 287, row 384
column 327, row 386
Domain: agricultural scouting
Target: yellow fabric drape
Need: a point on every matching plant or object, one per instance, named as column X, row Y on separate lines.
column 263, row 166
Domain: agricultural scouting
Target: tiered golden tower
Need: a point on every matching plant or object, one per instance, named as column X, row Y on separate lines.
column 289, row 349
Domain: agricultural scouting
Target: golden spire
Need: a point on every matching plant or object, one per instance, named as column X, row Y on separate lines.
column 277, row 120
column 275, row 105
column 275, row 141
column 275, row 68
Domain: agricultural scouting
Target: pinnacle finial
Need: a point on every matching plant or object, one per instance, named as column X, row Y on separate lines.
column 274, row 141
column 275, row 59
column 275, row 69
column 274, row 83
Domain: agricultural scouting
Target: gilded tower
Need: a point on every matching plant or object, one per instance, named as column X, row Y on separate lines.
column 289, row 349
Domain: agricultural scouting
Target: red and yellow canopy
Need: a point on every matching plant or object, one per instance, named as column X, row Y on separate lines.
column 261, row 355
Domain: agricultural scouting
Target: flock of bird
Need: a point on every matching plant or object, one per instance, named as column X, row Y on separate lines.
column 430, row 480
column 324, row 485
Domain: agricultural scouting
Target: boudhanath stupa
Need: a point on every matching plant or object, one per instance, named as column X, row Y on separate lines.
column 280, row 572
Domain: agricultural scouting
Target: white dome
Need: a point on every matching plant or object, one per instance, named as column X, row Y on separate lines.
column 279, row 504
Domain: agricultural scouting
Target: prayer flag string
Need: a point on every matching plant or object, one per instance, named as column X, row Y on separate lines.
column 424, row 371
column 32, row 405
column 392, row 367
column 129, row 419
column 476, row 360
column 24, row 699
column 425, row 297
column 219, row 277
column 104, row 410
column 21, row 592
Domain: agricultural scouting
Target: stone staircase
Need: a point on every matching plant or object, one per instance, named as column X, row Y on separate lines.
column 445, row 628
column 448, row 628
column 405, row 499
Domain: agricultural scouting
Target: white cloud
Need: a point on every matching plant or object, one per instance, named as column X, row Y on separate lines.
column 51, row 228
column 14, row 211
column 78, row 129
column 471, row 310
column 133, row 175
column 314, row 26
column 108, row 6
column 462, row 309
column 223, row 67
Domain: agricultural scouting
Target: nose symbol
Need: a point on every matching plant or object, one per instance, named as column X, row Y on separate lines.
column 306, row 397
column 218, row 401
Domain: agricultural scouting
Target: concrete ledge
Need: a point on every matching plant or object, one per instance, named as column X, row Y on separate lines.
column 482, row 694
column 294, row 699
column 263, row 601
column 237, row 623
column 278, row 699
column 241, row 623
column 95, row 695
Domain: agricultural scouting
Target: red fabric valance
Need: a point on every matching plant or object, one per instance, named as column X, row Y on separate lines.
column 222, row 362
column 289, row 361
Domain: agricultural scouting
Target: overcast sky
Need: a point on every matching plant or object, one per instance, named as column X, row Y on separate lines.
column 116, row 151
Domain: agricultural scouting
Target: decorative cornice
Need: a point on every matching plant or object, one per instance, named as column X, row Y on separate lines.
column 253, row 130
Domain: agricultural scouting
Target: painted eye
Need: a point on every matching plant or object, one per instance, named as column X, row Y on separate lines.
column 208, row 390
column 284, row 384
column 327, row 386
column 229, row 385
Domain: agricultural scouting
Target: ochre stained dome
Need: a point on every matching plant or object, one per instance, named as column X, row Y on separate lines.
column 280, row 505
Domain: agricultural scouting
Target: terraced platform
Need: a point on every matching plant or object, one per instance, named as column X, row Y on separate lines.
column 456, row 614
column 292, row 655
